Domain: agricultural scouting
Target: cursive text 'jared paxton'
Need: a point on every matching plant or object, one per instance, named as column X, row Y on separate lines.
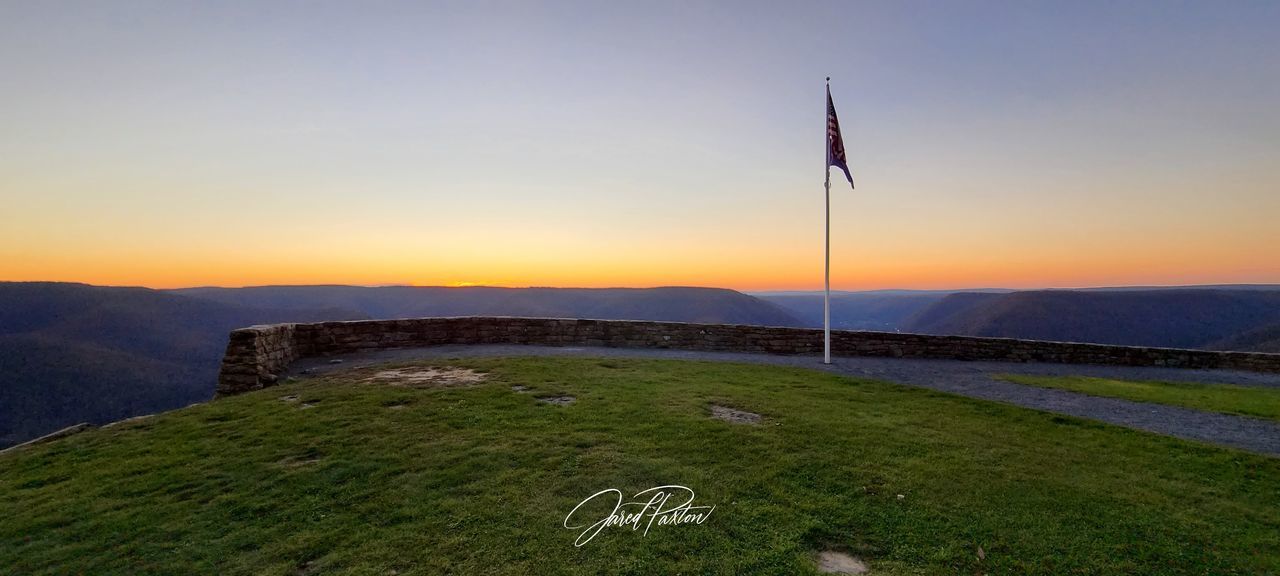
column 661, row 506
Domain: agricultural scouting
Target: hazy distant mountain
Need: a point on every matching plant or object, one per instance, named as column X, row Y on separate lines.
column 1179, row 318
column 46, row 384
column 884, row 292
column 1263, row 339
column 880, row 310
column 675, row 304
column 941, row 316
column 71, row 353
column 1259, row 287
column 963, row 312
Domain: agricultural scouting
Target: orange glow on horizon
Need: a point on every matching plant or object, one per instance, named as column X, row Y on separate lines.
column 780, row 274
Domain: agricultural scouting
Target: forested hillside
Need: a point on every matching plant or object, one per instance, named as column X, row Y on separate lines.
column 72, row 353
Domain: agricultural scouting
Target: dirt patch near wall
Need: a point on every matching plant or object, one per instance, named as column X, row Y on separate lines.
column 426, row 377
column 831, row 562
column 734, row 415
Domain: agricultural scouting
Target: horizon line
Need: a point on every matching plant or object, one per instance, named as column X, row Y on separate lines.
column 654, row 287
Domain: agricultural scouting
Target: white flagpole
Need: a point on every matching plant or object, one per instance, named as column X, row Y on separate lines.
column 826, row 265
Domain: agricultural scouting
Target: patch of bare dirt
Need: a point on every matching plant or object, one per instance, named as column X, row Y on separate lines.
column 428, row 377
column 830, row 562
column 734, row 415
column 558, row 400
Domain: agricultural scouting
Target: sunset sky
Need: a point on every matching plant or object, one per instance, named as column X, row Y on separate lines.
column 1018, row 144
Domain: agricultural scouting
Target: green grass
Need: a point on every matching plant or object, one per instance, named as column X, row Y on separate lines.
column 477, row 480
column 1243, row 400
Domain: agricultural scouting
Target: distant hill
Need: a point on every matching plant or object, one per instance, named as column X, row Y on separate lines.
column 1179, row 318
column 48, row 384
column 1261, row 287
column 673, row 304
column 72, row 353
column 880, row 311
column 1218, row 317
column 1263, row 339
column 940, row 316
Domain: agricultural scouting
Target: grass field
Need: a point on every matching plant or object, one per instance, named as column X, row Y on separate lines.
column 1244, row 400
column 372, row 478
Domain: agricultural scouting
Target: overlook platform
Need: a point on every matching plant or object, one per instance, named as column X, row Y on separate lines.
column 260, row 356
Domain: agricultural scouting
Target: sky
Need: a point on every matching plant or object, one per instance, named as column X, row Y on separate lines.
column 1011, row 144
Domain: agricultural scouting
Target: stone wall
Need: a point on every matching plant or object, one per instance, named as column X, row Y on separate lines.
column 256, row 356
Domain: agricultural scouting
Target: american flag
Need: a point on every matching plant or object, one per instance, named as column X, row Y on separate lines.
column 835, row 144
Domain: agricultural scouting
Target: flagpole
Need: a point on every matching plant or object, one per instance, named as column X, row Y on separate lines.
column 826, row 264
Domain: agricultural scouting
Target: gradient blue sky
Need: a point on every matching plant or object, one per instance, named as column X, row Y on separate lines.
column 1020, row 144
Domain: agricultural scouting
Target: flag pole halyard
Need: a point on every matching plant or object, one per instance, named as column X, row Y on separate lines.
column 826, row 265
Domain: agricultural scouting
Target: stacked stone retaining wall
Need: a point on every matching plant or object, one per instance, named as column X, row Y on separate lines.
column 258, row 355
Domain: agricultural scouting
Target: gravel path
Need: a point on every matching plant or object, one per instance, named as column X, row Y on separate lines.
column 973, row 379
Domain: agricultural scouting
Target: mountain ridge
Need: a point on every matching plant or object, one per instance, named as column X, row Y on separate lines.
column 72, row 352
column 1188, row 318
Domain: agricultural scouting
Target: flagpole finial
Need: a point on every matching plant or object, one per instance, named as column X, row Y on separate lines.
column 828, row 79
